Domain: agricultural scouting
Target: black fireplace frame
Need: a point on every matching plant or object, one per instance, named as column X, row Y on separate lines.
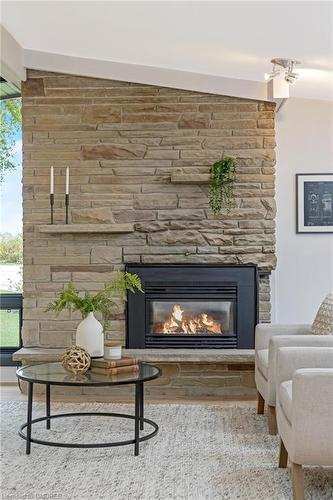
column 238, row 283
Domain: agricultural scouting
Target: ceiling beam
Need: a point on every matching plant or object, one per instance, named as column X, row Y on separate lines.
column 149, row 75
column 12, row 55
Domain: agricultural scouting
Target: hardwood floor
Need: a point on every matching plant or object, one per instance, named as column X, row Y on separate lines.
column 12, row 393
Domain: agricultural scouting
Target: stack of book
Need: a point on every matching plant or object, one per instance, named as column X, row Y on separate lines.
column 114, row 366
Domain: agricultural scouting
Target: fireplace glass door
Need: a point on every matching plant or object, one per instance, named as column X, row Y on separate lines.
column 191, row 317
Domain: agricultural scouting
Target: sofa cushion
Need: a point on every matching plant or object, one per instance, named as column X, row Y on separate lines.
column 286, row 398
column 323, row 323
column 262, row 356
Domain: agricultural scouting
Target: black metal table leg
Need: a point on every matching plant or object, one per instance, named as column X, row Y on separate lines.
column 29, row 417
column 137, row 419
column 48, row 406
column 141, row 406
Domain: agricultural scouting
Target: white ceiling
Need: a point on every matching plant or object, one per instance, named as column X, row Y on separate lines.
column 230, row 39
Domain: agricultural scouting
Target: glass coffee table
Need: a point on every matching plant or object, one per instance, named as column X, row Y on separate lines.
column 54, row 374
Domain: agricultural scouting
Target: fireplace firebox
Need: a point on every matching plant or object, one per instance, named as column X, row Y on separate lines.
column 192, row 306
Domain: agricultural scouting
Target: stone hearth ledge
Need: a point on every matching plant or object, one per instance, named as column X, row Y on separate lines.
column 41, row 355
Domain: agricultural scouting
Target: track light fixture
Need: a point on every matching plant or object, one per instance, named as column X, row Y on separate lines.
column 283, row 67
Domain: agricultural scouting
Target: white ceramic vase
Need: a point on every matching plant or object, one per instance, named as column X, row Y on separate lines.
column 90, row 336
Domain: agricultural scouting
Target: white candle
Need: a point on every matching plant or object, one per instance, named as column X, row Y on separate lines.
column 67, row 180
column 51, row 181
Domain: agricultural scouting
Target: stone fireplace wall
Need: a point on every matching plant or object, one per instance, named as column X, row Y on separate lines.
column 124, row 143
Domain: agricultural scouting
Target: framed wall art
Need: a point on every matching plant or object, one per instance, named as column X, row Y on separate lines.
column 314, row 203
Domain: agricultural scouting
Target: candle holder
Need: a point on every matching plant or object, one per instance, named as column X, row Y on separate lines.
column 66, row 207
column 52, row 206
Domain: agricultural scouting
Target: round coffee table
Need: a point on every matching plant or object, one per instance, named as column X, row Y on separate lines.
column 54, row 374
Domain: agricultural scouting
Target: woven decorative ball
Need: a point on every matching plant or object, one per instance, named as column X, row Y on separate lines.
column 76, row 360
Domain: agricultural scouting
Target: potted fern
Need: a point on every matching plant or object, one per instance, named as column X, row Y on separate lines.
column 221, row 185
column 90, row 332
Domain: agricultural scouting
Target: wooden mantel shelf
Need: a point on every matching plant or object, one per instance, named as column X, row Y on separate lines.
column 86, row 228
column 178, row 178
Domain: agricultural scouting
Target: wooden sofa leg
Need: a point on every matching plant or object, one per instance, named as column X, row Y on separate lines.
column 283, row 459
column 272, row 425
column 298, row 483
column 261, row 404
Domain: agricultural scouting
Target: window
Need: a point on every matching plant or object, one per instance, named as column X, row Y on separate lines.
column 10, row 222
column 11, row 324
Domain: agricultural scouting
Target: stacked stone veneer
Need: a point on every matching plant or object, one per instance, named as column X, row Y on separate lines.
column 122, row 141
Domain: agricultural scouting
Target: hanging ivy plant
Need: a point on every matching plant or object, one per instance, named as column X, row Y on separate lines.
column 221, row 185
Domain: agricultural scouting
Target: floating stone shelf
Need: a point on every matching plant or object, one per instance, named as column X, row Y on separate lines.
column 189, row 178
column 86, row 228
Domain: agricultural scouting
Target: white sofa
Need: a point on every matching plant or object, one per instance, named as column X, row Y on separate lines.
column 304, row 409
column 268, row 339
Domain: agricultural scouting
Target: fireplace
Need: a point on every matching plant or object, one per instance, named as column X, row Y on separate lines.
column 192, row 306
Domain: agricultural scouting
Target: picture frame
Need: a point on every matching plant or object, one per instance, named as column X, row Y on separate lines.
column 314, row 203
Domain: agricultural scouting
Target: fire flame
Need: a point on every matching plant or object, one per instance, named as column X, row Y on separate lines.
column 200, row 324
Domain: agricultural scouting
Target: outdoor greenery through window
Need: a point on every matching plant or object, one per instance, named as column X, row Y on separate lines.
column 11, row 246
column 10, row 328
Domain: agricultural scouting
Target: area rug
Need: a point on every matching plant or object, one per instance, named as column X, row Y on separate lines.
column 201, row 452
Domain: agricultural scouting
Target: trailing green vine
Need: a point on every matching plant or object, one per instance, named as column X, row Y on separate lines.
column 221, row 185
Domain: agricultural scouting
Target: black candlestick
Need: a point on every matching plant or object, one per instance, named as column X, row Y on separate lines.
column 66, row 207
column 51, row 205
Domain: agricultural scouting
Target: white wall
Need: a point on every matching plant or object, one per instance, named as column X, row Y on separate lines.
column 304, row 274
column 8, row 375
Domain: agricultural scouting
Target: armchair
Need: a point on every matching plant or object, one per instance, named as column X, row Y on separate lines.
column 268, row 339
column 304, row 409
